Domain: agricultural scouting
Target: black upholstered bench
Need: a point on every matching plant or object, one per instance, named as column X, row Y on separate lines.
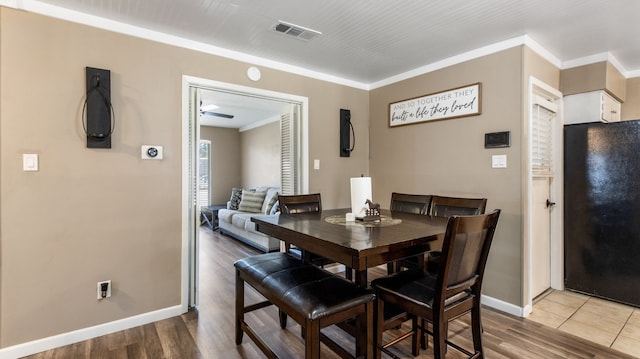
column 309, row 295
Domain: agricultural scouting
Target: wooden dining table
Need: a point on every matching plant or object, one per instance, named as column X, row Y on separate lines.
column 358, row 245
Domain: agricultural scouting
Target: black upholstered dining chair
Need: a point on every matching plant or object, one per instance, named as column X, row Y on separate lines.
column 410, row 203
column 441, row 206
column 456, row 206
column 304, row 203
column 445, row 207
column 407, row 203
column 452, row 292
column 300, row 203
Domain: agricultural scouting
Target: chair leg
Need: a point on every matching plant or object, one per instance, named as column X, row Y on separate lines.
column 424, row 341
column 283, row 318
column 476, row 329
column 439, row 338
column 416, row 336
column 369, row 323
column 312, row 339
column 364, row 333
column 379, row 327
column 239, row 308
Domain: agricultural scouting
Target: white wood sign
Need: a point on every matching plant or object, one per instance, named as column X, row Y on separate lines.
column 454, row 103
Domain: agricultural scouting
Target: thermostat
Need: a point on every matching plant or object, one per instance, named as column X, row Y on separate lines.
column 151, row 152
column 497, row 139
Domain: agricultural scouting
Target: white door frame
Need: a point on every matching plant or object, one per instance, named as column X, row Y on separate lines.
column 556, row 193
column 189, row 246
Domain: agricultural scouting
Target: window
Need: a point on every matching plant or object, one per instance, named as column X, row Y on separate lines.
column 204, row 181
column 543, row 113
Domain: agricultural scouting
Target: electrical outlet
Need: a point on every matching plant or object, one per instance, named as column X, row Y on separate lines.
column 104, row 289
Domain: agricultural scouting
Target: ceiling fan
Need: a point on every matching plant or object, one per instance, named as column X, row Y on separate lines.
column 206, row 110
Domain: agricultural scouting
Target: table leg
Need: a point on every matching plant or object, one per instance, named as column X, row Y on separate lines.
column 361, row 278
column 363, row 333
column 421, row 265
column 206, row 220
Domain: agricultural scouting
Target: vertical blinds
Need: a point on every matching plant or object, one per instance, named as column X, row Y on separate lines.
column 543, row 113
column 289, row 158
column 204, row 179
column 194, row 97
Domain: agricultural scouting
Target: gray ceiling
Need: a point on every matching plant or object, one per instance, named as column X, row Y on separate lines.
column 369, row 41
column 247, row 110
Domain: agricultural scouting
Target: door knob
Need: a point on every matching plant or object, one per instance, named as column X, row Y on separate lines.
column 550, row 204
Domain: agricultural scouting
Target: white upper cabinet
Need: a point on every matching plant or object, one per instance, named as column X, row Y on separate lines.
column 596, row 106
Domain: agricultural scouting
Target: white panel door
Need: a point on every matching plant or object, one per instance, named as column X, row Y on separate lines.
column 540, row 237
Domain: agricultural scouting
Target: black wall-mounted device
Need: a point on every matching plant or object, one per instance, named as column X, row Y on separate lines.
column 345, row 133
column 99, row 126
column 497, row 139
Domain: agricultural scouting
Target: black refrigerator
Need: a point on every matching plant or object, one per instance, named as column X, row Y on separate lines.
column 602, row 210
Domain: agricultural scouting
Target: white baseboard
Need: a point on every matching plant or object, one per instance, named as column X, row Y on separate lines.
column 75, row 336
column 79, row 335
column 503, row 306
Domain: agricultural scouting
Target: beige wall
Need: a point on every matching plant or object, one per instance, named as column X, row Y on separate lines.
column 245, row 159
column 598, row 76
column 260, row 149
column 226, row 171
column 585, row 78
column 631, row 107
column 616, row 83
column 90, row 215
column 448, row 157
column 536, row 66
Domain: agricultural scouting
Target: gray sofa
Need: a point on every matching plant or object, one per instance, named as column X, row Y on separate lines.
column 235, row 220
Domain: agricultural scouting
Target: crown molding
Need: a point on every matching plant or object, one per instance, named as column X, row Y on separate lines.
column 126, row 29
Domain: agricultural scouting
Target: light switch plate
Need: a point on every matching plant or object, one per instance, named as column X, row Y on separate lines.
column 316, row 164
column 499, row 161
column 29, row 161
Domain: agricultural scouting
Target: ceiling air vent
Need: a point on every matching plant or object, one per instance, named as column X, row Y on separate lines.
column 296, row 31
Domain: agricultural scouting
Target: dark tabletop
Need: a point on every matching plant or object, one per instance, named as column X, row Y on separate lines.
column 355, row 244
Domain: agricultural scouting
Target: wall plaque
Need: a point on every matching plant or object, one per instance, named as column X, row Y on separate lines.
column 454, row 103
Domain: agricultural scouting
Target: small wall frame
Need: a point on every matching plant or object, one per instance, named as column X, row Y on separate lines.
column 497, row 139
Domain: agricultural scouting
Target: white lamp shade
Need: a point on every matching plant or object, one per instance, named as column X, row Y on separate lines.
column 360, row 193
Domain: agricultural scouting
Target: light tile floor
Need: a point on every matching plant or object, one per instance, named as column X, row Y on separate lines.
column 607, row 323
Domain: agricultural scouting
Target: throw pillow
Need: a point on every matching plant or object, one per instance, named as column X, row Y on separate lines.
column 251, row 201
column 236, row 196
column 276, row 208
column 269, row 205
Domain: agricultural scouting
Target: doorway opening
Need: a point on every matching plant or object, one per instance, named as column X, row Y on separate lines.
column 191, row 108
column 543, row 235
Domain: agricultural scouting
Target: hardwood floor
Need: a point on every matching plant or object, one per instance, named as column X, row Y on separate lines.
column 209, row 331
